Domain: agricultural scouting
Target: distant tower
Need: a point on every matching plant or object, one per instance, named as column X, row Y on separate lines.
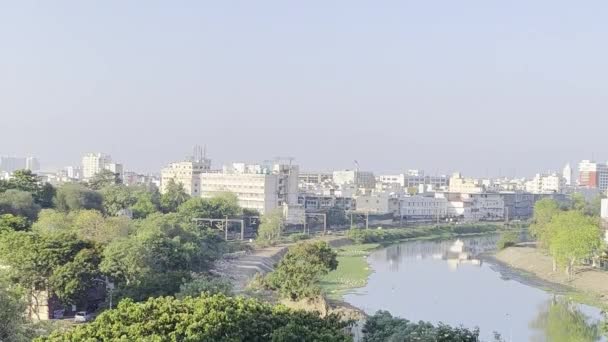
column 567, row 174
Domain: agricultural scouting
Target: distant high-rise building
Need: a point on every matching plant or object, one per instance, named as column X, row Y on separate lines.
column 93, row 163
column 567, row 174
column 12, row 164
column 593, row 175
column 32, row 164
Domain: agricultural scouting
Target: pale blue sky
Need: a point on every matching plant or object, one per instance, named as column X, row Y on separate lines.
column 478, row 86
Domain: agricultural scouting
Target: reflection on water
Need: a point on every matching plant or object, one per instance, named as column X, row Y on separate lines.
column 448, row 281
column 560, row 320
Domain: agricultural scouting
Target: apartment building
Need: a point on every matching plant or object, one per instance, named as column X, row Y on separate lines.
column 545, row 184
column 459, row 184
column 256, row 186
column 423, row 208
column 186, row 173
column 593, row 175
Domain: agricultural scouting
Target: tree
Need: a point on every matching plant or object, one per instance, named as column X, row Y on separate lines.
column 574, row 237
column 160, row 256
column 204, row 318
column 12, row 318
column 12, row 222
column 72, row 196
column 18, row 203
column 544, row 211
column 103, row 179
column 297, row 275
column 44, row 262
column 25, row 180
column 116, row 198
column 383, row 327
column 147, row 202
column 271, row 226
column 173, row 197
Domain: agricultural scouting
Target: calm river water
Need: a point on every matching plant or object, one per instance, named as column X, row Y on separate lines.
column 447, row 281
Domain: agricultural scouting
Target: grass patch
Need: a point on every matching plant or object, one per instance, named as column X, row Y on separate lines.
column 352, row 271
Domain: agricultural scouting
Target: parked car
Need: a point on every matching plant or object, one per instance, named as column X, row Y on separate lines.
column 82, row 316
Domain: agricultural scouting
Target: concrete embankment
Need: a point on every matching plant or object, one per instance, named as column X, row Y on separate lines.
column 531, row 260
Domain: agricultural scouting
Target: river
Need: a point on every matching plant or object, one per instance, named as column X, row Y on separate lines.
column 451, row 282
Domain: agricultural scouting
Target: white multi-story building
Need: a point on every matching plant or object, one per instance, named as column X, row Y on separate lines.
column 32, row 164
column 186, row 173
column 93, row 163
column 382, row 203
column 567, row 174
column 256, row 187
column 546, row 184
column 423, row 208
column 12, row 164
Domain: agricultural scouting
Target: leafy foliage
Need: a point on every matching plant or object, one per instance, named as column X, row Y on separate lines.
column 12, row 318
column 159, row 256
column 297, row 275
column 19, row 203
column 173, row 197
column 12, row 222
column 271, row 226
column 205, row 318
column 204, row 283
column 71, row 197
column 507, row 239
column 544, row 211
column 573, row 237
column 104, row 178
column 59, row 262
column 361, row 236
column 383, row 327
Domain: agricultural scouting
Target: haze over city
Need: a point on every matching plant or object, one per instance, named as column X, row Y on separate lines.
column 484, row 88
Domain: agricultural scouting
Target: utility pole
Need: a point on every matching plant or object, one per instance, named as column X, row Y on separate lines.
column 242, row 230
column 226, row 229
column 325, row 224
column 367, row 220
column 351, row 220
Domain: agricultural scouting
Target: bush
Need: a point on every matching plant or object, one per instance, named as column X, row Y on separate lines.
column 299, row 237
column 297, row 275
column 387, row 235
column 507, row 239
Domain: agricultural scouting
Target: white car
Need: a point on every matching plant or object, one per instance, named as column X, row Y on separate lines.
column 82, row 316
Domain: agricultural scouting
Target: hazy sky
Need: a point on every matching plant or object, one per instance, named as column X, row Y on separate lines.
column 478, row 86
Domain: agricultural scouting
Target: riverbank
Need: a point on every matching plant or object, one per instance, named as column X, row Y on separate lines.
column 352, row 271
column 589, row 285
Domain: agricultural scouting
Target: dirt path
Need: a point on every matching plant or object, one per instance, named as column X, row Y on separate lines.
column 242, row 268
column 531, row 260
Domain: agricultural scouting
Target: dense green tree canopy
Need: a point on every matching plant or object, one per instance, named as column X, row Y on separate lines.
column 205, row 318
column 173, row 197
column 383, row 327
column 74, row 196
column 104, row 179
column 297, row 275
column 12, row 222
column 12, row 315
column 160, row 256
column 58, row 262
column 574, row 236
column 19, row 203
